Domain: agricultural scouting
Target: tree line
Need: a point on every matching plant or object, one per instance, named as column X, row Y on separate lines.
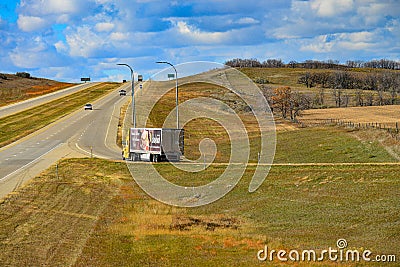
column 374, row 88
column 313, row 64
column 380, row 82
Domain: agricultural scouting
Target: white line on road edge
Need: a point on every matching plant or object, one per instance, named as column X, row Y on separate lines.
column 108, row 128
column 109, row 125
column 89, row 153
column 29, row 163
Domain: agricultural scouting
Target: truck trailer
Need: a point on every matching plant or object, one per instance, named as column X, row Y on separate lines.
column 154, row 144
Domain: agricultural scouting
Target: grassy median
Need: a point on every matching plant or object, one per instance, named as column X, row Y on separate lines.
column 21, row 124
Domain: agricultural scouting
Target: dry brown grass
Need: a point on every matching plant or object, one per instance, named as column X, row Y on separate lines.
column 122, row 114
column 201, row 128
column 14, row 88
column 47, row 222
column 387, row 115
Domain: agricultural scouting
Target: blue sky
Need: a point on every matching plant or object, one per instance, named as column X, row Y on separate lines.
column 69, row 39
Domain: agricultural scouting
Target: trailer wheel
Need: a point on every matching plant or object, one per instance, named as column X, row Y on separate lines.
column 152, row 158
column 134, row 157
column 137, row 157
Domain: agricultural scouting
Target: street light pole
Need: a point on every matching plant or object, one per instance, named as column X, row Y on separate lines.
column 176, row 91
column 133, row 93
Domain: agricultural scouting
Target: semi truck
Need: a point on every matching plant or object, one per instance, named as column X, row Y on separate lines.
column 153, row 144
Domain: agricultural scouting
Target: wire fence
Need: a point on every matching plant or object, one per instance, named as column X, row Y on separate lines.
column 391, row 127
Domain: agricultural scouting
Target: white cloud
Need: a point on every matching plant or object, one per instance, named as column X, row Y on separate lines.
column 61, row 47
column 45, row 7
column 84, row 42
column 330, row 8
column 359, row 37
column 341, row 41
column 247, row 20
column 64, row 73
column 24, row 59
column 57, row 6
column 29, row 23
column 104, row 26
column 373, row 12
column 35, row 53
column 63, row 19
column 195, row 30
column 119, row 36
column 393, row 27
column 318, row 45
column 198, row 36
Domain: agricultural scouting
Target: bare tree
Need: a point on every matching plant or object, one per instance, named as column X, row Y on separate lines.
column 268, row 93
column 298, row 103
column 369, row 99
column 281, row 100
column 292, row 64
column 289, row 103
column 389, row 82
column 359, row 98
column 337, row 95
column 306, row 79
column 346, row 99
column 319, row 98
column 273, row 63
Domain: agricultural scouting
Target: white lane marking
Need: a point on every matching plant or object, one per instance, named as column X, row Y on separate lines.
column 108, row 128
column 29, row 163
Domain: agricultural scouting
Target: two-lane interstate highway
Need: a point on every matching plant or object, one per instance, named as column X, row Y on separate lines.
column 82, row 133
column 33, row 102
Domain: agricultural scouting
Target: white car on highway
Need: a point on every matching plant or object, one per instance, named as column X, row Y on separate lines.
column 88, row 106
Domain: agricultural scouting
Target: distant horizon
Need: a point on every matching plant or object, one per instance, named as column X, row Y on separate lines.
column 183, row 72
column 67, row 40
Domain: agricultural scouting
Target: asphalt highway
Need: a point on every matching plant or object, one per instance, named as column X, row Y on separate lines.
column 90, row 133
column 29, row 103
